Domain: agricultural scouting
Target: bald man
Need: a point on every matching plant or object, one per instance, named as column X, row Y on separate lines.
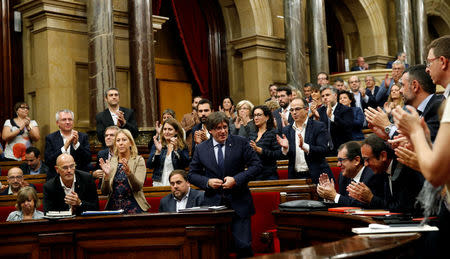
column 15, row 182
column 71, row 189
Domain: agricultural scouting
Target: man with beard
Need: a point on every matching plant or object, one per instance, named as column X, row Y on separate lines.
column 282, row 115
column 199, row 131
column 182, row 195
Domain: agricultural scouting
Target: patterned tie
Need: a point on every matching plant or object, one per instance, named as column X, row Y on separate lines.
column 220, row 160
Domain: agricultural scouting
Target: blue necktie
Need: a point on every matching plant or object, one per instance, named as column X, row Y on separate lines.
column 220, row 160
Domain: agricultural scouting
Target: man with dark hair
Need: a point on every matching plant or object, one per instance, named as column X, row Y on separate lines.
column 438, row 62
column 34, row 165
column 190, row 120
column 339, row 84
column 305, row 142
column 322, row 79
column 353, row 170
column 401, row 56
column 307, row 90
column 401, row 184
column 106, row 153
column 222, row 166
column 337, row 118
column 273, row 92
column 282, row 115
column 418, row 91
column 182, row 195
column 115, row 115
column 199, row 131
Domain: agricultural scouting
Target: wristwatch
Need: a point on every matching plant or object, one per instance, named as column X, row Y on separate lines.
column 387, row 130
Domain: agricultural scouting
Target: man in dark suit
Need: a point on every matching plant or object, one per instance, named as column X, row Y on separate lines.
column 115, row 115
column 219, row 167
column 361, row 99
column 337, row 118
column 182, row 195
column 106, row 153
column 353, row 170
column 282, row 115
column 305, row 142
column 67, row 141
column 72, row 189
column 401, row 184
column 199, row 131
column 15, row 182
column 361, row 65
column 34, row 165
column 385, row 88
column 371, row 91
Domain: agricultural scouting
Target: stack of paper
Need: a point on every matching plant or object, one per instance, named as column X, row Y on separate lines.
column 58, row 214
column 380, row 229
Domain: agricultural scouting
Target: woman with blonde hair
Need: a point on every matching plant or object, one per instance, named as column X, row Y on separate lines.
column 27, row 202
column 168, row 153
column 395, row 99
column 124, row 176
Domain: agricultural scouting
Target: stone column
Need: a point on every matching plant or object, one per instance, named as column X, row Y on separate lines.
column 102, row 74
column 318, row 44
column 420, row 31
column 294, row 28
column 144, row 97
column 405, row 33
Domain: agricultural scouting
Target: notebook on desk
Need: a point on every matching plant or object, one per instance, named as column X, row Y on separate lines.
column 393, row 229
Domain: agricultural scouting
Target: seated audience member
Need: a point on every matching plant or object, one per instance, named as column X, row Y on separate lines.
column 322, row 79
column 199, row 131
column 316, row 102
column 182, row 195
column 243, row 125
column 228, row 107
column 124, row 176
column 19, row 133
column 67, row 141
column 168, row 153
column 296, row 94
column 361, row 65
column 371, row 90
column 107, row 153
column 115, row 115
column 265, row 143
column 189, row 121
column 72, row 190
column 338, row 119
column 401, row 57
column 347, row 99
column 27, row 202
column 352, row 170
column 34, row 164
column 401, row 184
column 305, row 143
column 385, row 87
column 340, row 85
column 282, row 115
column 307, row 91
column 15, row 182
column 272, row 92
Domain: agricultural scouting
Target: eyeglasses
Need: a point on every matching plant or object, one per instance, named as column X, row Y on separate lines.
column 18, row 177
column 67, row 167
column 297, row 109
column 340, row 160
column 428, row 62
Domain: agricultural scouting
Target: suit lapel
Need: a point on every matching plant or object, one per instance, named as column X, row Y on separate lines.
column 228, row 154
column 173, row 204
column 308, row 132
column 108, row 118
column 211, row 156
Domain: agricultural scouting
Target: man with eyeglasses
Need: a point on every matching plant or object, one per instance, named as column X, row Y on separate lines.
column 385, row 88
column 438, row 62
column 222, row 166
column 322, row 79
column 305, row 142
column 371, row 90
column 401, row 184
column 73, row 189
column 361, row 99
column 352, row 170
column 15, row 182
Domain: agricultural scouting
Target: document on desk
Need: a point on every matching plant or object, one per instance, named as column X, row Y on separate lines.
column 203, row 208
column 101, row 212
column 383, row 229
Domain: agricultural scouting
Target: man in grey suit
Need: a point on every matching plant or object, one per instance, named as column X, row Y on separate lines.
column 182, row 195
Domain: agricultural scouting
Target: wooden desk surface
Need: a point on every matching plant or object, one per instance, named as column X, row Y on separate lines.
column 160, row 235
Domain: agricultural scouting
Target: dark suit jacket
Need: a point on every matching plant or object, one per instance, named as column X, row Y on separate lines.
column 406, row 185
column 431, row 116
column 276, row 115
column 180, row 160
column 358, row 123
column 341, row 128
column 368, row 178
column 53, row 144
column 357, row 68
column 271, row 152
column 5, row 192
column 372, row 97
column 84, row 187
column 317, row 138
column 105, row 120
column 238, row 156
column 194, row 129
column 44, row 170
column 168, row 203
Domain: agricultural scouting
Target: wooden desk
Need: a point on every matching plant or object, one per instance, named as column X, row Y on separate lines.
column 301, row 229
column 162, row 235
column 372, row 246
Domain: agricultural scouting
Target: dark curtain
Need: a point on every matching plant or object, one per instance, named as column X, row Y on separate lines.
column 156, row 6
